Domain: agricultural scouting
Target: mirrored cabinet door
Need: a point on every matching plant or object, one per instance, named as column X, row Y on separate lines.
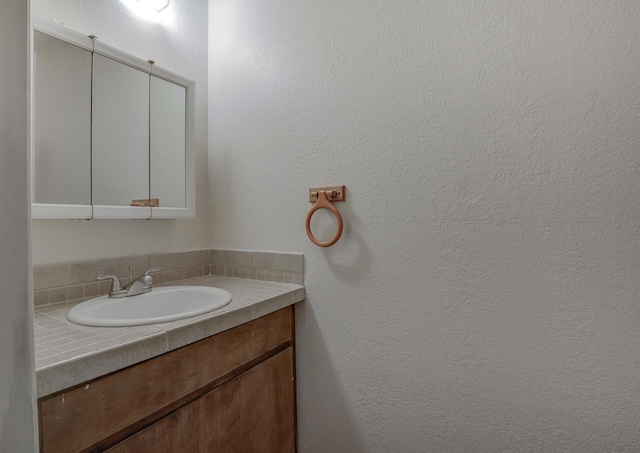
column 168, row 143
column 112, row 134
column 61, row 123
column 120, row 140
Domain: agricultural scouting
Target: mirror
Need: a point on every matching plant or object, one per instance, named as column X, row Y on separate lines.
column 168, row 143
column 120, row 141
column 113, row 134
column 62, row 122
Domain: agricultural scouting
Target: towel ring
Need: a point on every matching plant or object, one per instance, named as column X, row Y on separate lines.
column 323, row 203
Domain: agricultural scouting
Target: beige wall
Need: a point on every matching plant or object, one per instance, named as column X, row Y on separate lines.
column 484, row 296
column 17, row 378
column 175, row 40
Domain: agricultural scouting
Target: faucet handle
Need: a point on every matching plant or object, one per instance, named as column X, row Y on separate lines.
column 155, row 269
column 116, row 287
column 148, row 279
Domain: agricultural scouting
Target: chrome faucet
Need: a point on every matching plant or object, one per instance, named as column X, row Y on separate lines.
column 142, row 284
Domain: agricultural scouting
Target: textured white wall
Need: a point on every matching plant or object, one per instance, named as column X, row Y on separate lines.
column 485, row 294
column 176, row 42
column 17, row 374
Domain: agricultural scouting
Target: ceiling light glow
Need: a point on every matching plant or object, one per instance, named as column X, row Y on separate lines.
column 157, row 5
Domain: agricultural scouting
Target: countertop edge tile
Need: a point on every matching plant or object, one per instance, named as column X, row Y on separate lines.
column 68, row 373
column 276, row 303
column 180, row 336
column 251, row 299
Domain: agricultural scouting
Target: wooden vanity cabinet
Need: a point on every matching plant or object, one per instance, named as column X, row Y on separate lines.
column 234, row 391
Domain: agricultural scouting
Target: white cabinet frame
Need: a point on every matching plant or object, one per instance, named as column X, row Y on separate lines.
column 69, row 211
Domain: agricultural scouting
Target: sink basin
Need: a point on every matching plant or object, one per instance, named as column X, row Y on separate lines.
column 159, row 305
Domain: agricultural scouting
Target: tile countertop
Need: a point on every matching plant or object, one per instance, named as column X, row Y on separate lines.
column 68, row 354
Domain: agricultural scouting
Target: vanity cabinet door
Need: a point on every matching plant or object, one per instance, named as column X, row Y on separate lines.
column 253, row 412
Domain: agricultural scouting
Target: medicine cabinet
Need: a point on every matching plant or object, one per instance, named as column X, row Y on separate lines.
column 112, row 134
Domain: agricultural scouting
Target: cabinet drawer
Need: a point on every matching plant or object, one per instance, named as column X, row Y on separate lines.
column 104, row 411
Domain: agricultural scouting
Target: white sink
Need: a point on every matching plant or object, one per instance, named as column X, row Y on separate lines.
column 159, row 305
